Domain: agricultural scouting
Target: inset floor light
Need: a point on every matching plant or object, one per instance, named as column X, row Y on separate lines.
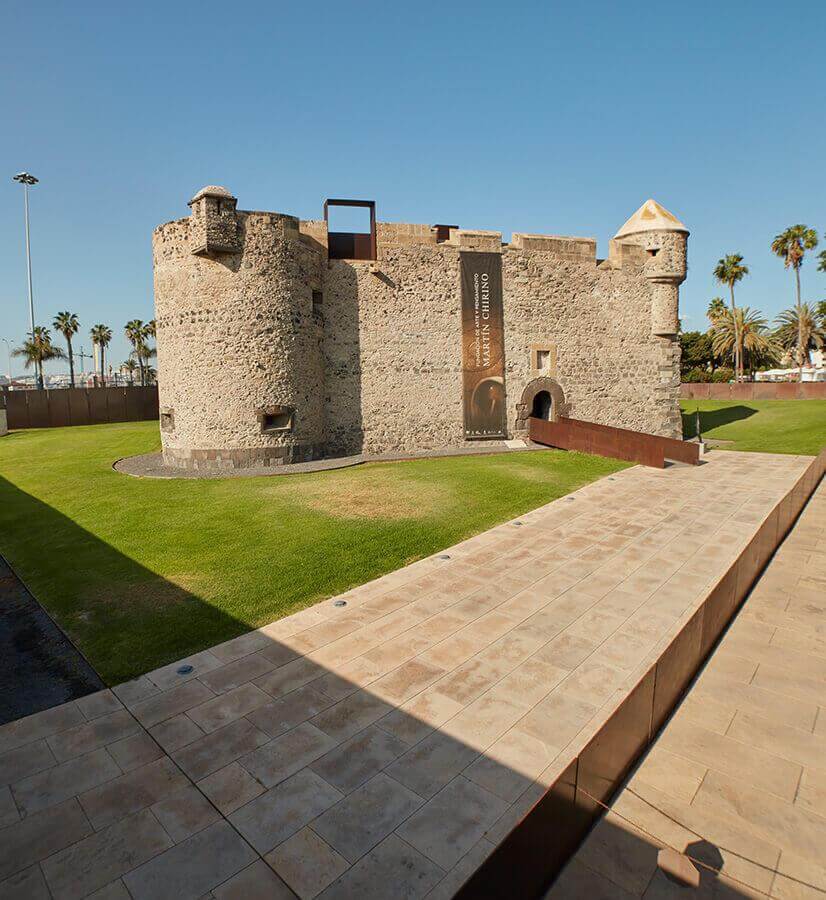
column 184, row 670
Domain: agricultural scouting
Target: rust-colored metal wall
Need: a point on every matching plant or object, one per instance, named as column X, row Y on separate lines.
column 529, row 859
column 755, row 390
column 80, row 406
column 619, row 443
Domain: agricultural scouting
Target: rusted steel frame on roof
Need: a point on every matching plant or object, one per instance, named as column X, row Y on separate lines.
column 351, row 244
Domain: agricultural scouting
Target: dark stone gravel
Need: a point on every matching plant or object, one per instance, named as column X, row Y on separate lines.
column 39, row 666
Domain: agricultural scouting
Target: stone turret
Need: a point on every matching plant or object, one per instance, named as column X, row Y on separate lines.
column 214, row 224
column 663, row 236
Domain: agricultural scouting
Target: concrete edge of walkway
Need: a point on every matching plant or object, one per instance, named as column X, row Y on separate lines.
column 151, row 465
column 594, row 765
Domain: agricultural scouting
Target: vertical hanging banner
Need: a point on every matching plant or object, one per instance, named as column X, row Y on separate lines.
column 483, row 346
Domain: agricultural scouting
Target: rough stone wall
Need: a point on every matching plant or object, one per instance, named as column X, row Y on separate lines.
column 393, row 344
column 368, row 354
column 236, row 335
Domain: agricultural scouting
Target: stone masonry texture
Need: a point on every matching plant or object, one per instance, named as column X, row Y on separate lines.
column 270, row 352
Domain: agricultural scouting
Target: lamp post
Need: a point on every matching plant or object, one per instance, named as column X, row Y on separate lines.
column 8, row 353
column 27, row 181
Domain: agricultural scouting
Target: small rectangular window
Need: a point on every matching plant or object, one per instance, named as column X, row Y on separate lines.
column 275, row 418
column 318, row 299
column 167, row 417
column 543, row 360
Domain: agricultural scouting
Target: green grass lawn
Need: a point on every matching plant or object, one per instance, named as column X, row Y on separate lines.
column 765, row 426
column 141, row 572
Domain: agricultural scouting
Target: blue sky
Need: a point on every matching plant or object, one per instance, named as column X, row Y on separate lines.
column 541, row 117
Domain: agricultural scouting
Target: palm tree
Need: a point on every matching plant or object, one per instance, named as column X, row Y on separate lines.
column 130, row 367
column 67, row 324
column 716, row 308
column 151, row 375
column 38, row 349
column 729, row 270
column 791, row 246
column 744, row 327
column 799, row 329
column 137, row 334
column 101, row 335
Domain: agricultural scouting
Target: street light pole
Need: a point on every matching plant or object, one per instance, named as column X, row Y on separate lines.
column 8, row 351
column 26, row 180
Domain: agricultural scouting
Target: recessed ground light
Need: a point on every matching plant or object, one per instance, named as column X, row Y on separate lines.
column 444, row 556
column 516, row 523
column 570, row 498
column 339, row 603
column 184, row 670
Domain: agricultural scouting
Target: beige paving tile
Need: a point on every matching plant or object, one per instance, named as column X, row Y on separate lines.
column 277, row 814
column 176, row 732
column 348, row 716
column 169, row 676
column 193, row 867
column 26, row 760
column 307, row 863
column 26, row 885
column 364, row 818
column 449, row 824
column 810, row 690
column 789, row 826
column 132, row 692
column 231, row 788
column 594, row 682
column 98, row 704
column 132, row 752
column 38, row 726
column 393, row 862
column 417, row 718
column 102, row 731
column 131, row 792
column 103, row 857
column 557, row 719
column 288, row 677
column 163, row 706
column 483, row 721
column 53, row 786
column 432, row 763
column 39, row 836
column 811, row 794
column 228, row 707
column 240, row 646
column 184, row 813
column 672, row 774
column 580, row 882
column 8, row 809
column 256, row 882
column 217, row 749
column 409, row 679
column 358, row 759
column 285, row 755
column 292, row 709
column 798, row 878
column 685, row 738
column 510, row 765
column 780, row 739
column 237, row 673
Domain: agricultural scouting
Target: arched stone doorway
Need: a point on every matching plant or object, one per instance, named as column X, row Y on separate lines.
column 543, row 398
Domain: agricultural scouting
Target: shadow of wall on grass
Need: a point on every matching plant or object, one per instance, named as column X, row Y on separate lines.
column 714, row 418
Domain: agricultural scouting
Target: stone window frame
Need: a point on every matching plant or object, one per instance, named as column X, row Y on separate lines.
column 166, row 416
column 550, row 349
column 266, row 412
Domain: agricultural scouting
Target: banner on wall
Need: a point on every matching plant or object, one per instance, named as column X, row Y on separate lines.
column 483, row 346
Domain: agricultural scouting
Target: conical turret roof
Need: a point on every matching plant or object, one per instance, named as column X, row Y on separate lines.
column 651, row 217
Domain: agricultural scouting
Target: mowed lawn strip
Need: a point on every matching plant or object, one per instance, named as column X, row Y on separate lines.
column 141, row 572
column 762, row 426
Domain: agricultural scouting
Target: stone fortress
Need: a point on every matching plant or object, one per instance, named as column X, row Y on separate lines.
column 280, row 340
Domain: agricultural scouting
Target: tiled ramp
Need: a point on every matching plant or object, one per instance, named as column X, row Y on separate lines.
column 738, row 777
column 383, row 748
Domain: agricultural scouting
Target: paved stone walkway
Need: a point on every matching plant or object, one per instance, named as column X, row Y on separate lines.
column 738, row 777
column 380, row 748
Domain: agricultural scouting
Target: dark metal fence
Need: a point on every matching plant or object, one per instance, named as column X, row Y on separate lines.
column 619, row 443
column 80, row 406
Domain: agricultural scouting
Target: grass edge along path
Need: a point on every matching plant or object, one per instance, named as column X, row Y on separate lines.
column 141, row 572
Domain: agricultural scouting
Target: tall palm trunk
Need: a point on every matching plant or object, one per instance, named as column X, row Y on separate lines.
column 737, row 351
column 71, row 361
column 102, row 366
column 799, row 328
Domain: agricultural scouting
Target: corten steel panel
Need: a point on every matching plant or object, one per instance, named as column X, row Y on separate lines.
column 813, row 390
column 17, row 409
column 785, row 516
column 349, row 245
column 134, row 407
column 609, row 755
column 602, row 440
column 116, row 405
column 720, row 604
column 764, row 391
column 675, row 668
column 786, row 391
column 534, row 853
column 38, row 404
column 744, row 391
column 78, row 406
column 768, row 538
column 59, row 408
column 150, row 403
column 97, row 406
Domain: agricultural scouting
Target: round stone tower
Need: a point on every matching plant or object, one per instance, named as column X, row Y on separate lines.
column 664, row 237
column 240, row 368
